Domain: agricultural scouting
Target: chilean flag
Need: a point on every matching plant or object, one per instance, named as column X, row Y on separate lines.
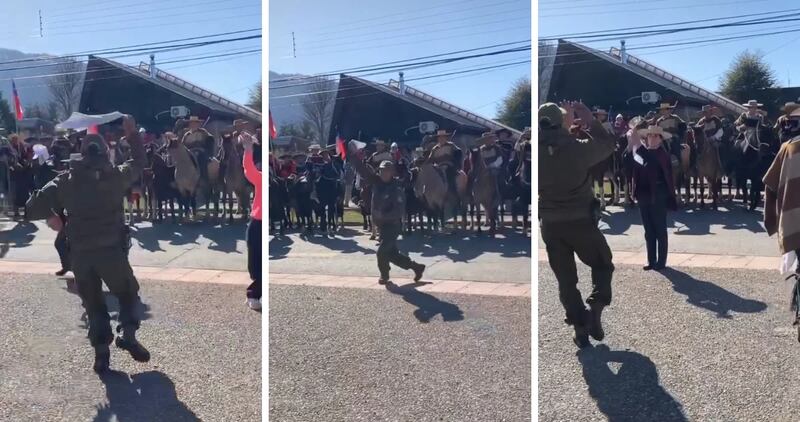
column 273, row 133
column 340, row 146
column 18, row 110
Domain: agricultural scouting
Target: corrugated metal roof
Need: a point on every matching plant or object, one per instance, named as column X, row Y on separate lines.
column 190, row 91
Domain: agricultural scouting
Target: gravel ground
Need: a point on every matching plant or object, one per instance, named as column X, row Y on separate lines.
column 688, row 345
column 365, row 355
column 206, row 364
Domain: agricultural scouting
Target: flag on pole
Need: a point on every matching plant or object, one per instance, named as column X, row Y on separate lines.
column 273, row 133
column 19, row 112
column 340, row 146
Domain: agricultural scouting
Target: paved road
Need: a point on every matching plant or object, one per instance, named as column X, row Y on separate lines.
column 689, row 345
column 206, row 364
column 197, row 245
column 341, row 354
column 506, row 258
column 731, row 232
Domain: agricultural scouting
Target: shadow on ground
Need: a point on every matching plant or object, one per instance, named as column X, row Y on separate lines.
column 149, row 396
column 427, row 305
column 688, row 221
column 19, row 236
column 706, row 295
column 630, row 392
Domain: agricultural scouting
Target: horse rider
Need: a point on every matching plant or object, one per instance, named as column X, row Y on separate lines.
column 492, row 155
column 602, row 116
column 676, row 127
column 388, row 210
column 620, row 126
column 523, row 148
column 711, row 124
column 783, row 126
column 446, row 157
column 751, row 118
column 505, row 139
column 91, row 192
column 569, row 212
column 313, row 167
column 381, row 154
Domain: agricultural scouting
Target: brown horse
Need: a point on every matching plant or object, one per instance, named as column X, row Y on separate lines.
column 708, row 167
column 485, row 191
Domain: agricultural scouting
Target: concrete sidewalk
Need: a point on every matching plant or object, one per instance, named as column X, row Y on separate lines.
column 205, row 345
column 397, row 354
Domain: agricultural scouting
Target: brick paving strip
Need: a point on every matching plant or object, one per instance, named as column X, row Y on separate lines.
column 695, row 260
column 189, row 275
column 431, row 286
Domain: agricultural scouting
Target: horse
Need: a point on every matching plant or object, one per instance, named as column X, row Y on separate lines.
column 163, row 189
column 187, row 176
column 326, row 182
column 606, row 169
column 754, row 150
column 415, row 208
column 233, row 179
column 431, row 187
column 278, row 198
column 523, row 176
column 708, row 165
column 300, row 189
column 485, row 190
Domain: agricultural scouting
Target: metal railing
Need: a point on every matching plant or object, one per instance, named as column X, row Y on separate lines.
column 450, row 107
column 160, row 74
column 704, row 93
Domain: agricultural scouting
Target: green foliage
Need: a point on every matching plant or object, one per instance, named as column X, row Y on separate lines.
column 254, row 100
column 515, row 111
column 6, row 115
column 750, row 78
column 304, row 130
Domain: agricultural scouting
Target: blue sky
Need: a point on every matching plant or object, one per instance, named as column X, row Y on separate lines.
column 703, row 64
column 333, row 35
column 81, row 25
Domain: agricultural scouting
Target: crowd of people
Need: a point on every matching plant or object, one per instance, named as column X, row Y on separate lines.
column 655, row 148
column 300, row 196
column 79, row 181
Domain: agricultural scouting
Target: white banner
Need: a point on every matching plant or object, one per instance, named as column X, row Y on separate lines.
column 80, row 121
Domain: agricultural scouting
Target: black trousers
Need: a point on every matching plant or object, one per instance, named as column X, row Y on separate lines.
column 654, row 220
column 109, row 265
column 63, row 249
column 254, row 258
column 388, row 251
column 563, row 241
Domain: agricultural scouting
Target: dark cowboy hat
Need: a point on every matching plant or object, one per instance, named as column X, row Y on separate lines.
column 503, row 130
column 486, row 136
column 441, row 132
column 599, row 111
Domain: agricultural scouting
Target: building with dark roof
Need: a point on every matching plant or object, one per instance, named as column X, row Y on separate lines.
column 394, row 111
column 148, row 96
column 616, row 81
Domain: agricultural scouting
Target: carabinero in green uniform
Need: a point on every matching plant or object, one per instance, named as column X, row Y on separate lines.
column 91, row 194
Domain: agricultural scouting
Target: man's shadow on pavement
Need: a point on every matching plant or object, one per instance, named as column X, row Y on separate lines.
column 633, row 393
column 427, row 305
column 20, row 236
column 112, row 304
column 149, row 396
column 279, row 247
column 709, row 296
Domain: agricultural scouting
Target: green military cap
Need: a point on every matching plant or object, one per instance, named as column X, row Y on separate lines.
column 553, row 113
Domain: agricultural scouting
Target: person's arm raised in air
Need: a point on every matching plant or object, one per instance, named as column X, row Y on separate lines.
column 362, row 170
column 133, row 168
column 601, row 145
column 251, row 172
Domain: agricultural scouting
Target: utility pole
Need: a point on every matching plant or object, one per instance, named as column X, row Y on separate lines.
column 294, row 50
column 40, row 23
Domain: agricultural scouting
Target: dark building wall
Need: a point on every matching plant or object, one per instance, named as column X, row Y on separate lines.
column 578, row 75
column 377, row 114
column 109, row 89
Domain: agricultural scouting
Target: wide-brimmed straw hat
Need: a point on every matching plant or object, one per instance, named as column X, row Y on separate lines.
column 753, row 103
column 795, row 112
column 440, row 133
column 791, row 106
column 708, row 107
column 486, row 136
column 666, row 106
column 654, row 130
column 314, row 147
column 194, row 119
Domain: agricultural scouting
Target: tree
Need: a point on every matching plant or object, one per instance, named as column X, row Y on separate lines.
column 750, row 78
column 304, row 130
column 35, row 112
column 64, row 87
column 318, row 106
column 52, row 111
column 254, row 100
column 515, row 111
column 6, row 115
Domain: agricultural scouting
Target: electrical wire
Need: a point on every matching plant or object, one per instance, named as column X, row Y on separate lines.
column 156, row 25
column 696, row 6
column 86, row 15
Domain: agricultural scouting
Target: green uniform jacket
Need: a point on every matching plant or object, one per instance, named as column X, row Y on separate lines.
column 565, row 187
column 93, row 200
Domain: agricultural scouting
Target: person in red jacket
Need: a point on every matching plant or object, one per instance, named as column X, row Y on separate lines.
column 253, row 175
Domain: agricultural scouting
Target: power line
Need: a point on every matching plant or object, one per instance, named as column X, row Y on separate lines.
column 156, row 25
column 336, row 40
column 606, row 31
column 164, row 48
column 392, row 68
column 115, row 9
column 606, row 12
column 353, row 69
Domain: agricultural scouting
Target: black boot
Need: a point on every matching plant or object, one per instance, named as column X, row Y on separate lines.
column 102, row 359
column 582, row 331
column 596, row 328
column 129, row 343
column 418, row 270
